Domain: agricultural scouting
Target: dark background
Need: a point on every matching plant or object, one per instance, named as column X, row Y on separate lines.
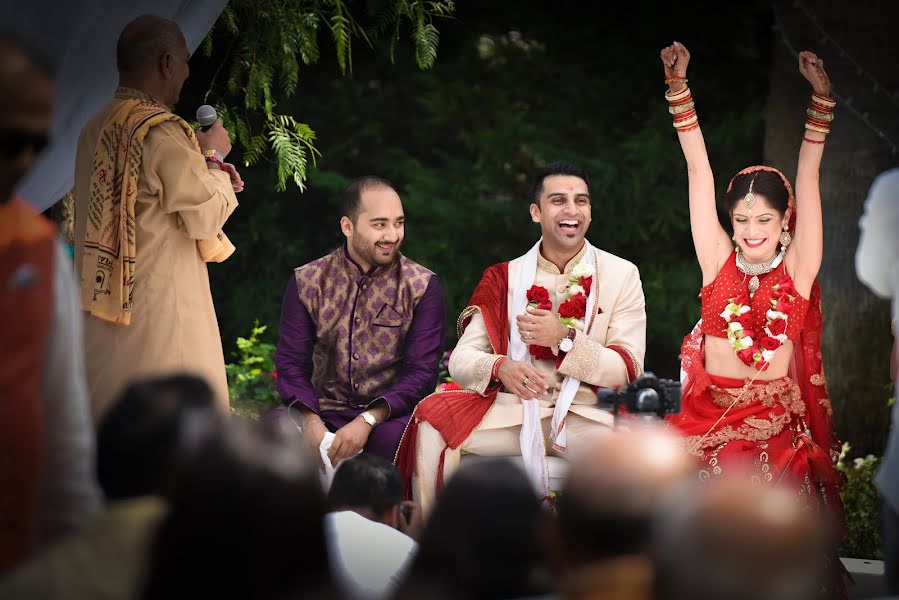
column 517, row 85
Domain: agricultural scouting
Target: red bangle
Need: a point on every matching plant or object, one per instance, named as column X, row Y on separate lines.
column 813, row 141
column 494, row 372
column 215, row 157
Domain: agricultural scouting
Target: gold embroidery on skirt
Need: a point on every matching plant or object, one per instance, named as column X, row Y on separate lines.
column 754, row 428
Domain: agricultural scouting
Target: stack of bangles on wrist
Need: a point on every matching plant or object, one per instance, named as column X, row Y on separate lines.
column 681, row 106
column 820, row 114
column 496, row 365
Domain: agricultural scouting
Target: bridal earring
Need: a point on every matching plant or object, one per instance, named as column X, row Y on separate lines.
column 785, row 237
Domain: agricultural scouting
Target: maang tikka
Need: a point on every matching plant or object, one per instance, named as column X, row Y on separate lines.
column 749, row 198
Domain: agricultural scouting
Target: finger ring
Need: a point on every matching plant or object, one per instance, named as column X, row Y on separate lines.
column 525, row 382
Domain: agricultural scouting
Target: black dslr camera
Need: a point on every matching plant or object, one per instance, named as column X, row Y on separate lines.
column 647, row 395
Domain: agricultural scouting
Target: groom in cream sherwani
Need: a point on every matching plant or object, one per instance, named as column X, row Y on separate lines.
column 539, row 335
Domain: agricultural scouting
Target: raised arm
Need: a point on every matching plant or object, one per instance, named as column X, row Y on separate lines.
column 804, row 254
column 709, row 238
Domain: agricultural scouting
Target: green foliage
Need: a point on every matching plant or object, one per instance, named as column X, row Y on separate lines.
column 262, row 44
column 462, row 141
column 862, row 504
column 251, row 383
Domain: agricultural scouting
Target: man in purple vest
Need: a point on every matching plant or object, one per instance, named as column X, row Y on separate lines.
column 361, row 331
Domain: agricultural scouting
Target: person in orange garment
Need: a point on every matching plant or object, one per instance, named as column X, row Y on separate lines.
column 46, row 441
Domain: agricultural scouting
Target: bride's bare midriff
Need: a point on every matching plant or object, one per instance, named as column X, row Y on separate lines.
column 720, row 360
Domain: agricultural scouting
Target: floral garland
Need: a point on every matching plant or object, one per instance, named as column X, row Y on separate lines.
column 758, row 352
column 571, row 312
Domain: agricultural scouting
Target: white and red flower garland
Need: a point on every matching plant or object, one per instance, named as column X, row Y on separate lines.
column 571, row 312
column 758, row 351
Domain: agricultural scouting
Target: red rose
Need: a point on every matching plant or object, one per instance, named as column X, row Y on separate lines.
column 538, row 295
column 769, row 343
column 784, row 305
column 586, row 283
column 545, row 305
column 747, row 355
column 786, row 286
column 541, row 352
column 568, row 310
column 580, row 300
column 777, row 327
column 762, row 366
column 746, row 320
column 575, row 307
column 742, row 299
column 749, row 333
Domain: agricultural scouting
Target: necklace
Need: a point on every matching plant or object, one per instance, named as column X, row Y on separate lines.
column 756, row 269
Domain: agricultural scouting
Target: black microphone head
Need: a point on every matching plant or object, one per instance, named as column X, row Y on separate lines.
column 206, row 115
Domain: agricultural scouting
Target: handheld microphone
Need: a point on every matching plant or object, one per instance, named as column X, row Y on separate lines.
column 206, row 117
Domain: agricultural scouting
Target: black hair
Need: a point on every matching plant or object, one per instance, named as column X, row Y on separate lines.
column 483, row 538
column 559, row 167
column 138, row 440
column 247, row 521
column 365, row 481
column 764, row 183
column 593, row 531
column 351, row 197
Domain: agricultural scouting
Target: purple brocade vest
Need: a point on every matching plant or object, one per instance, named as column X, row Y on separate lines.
column 361, row 323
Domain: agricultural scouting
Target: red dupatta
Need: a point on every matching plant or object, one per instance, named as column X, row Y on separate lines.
column 456, row 413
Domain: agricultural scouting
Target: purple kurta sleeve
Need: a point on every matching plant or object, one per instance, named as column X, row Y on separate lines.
column 293, row 357
column 424, row 344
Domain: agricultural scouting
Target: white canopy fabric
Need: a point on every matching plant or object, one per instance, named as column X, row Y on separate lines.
column 79, row 37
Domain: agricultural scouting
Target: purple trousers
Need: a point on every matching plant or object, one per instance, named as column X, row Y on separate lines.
column 383, row 440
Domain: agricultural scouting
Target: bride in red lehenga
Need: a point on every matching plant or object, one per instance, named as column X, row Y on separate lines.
column 754, row 397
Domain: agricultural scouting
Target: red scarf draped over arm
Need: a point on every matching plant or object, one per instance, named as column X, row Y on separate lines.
column 455, row 414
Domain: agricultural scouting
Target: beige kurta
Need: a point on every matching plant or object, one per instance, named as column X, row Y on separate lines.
column 622, row 323
column 174, row 328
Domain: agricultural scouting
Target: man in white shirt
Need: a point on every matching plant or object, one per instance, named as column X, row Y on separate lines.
column 370, row 530
column 877, row 266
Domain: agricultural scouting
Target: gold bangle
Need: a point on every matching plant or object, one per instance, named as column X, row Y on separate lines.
column 817, row 114
column 682, row 108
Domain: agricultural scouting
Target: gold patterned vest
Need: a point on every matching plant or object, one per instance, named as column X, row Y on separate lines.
column 361, row 322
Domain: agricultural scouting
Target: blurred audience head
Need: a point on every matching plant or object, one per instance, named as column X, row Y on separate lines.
column 245, row 522
column 484, row 537
column 616, row 483
column 26, row 102
column 140, row 439
column 369, row 485
column 741, row 542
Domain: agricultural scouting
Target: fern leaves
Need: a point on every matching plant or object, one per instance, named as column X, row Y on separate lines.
column 267, row 40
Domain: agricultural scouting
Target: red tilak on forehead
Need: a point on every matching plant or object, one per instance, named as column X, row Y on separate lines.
column 570, row 188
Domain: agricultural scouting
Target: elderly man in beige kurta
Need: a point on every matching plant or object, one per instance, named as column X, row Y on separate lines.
column 173, row 325
column 181, row 198
column 605, row 347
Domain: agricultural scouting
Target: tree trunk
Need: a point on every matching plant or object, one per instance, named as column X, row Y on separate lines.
column 859, row 48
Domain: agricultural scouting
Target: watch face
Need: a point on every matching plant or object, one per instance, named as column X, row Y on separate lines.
column 566, row 345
